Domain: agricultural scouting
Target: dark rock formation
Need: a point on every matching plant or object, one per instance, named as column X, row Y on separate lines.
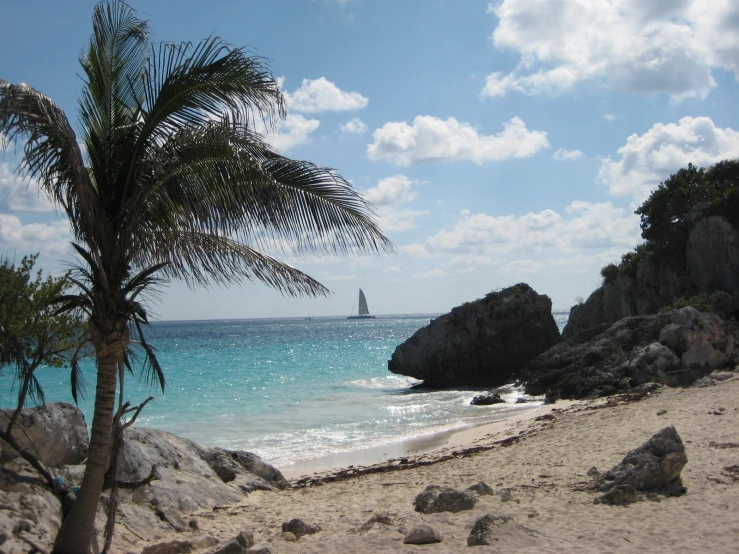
column 480, row 343
column 299, row 528
column 669, row 348
column 443, row 499
column 55, row 432
column 487, row 400
column 423, row 534
column 654, row 465
column 483, row 531
column 711, row 264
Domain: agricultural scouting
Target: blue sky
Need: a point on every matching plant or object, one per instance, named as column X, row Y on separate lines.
column 501, row 141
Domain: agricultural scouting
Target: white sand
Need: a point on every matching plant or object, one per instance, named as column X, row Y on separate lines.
column 545, row 470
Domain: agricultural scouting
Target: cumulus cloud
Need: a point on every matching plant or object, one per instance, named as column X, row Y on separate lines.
column 584, row 225
column 49, row 238
column 388, row 195
column 21, row 195
column 293, row 131
column 321, row 95
column 646, row 160
column 354, row 126
column 641, row 46
column 566, row 155
column 432, row 139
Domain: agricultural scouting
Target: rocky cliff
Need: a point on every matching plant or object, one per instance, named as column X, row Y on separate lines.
column 711, row 263
column 480, row 343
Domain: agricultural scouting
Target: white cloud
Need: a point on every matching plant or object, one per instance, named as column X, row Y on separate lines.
column 522, row 267
column 354, row 126
column 432, row 139
column 642, row 46
column 291, row 132
column 566, row 155
column 432, row 273
column 321, row 95
column 583, row 226
column 390, row 193
column 610, row 117
column 51, row 238
column 646, row 160
column 21, row 195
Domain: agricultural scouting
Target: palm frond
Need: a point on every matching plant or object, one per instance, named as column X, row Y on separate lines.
column 154, row 372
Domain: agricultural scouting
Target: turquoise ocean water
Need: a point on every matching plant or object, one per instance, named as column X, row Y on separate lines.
column 290, row 390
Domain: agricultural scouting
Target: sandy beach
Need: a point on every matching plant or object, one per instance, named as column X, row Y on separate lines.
column 543, row 462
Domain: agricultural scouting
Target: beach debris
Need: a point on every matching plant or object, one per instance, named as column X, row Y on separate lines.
column 656, row 464
column 300, row 528
column 381, row 517
column 443, row 499
column 487, row 400
column 733, row 472
column 593, row 472
column 423, row 534
column 481, row 488
column 484, row 529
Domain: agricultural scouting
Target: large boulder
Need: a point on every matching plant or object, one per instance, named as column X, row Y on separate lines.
column 55, row 432
column 480, row 343
column 655, row 464
column 435, row 499
column 700, row 339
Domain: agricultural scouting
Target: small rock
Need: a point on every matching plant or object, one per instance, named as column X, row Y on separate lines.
column 299, row 528
column 593, row 472
column 481, row 489
column 505, row 495
column 487, row 399
column 232, row 547
column 245, row 539
column 382, row 517
column 521, row 401
column 193, row 524
column 661, row 412
column 422, row 534
column 484, row 528
column 22, row 525
column 443, row 499
column 619, row 495
column 721, row 375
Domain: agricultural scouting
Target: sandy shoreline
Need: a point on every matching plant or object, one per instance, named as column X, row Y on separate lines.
column 543, row 463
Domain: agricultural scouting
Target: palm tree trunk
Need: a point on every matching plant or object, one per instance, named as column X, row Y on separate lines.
column 75, row 534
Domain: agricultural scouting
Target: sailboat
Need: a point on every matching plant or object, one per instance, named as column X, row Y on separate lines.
column 363, row 310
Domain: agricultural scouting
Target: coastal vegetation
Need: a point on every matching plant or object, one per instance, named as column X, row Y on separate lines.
column 666, row 214
column 169, row 179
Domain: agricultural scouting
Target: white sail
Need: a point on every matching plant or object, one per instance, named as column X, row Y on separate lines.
column 363, row 310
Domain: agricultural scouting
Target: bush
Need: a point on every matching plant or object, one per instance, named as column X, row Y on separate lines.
column 609, row 273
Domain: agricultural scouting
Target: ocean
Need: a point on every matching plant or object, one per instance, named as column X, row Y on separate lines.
column 291, row 389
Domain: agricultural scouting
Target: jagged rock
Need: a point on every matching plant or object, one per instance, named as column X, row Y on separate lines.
column 711, row 264
column 619, row 495
column 487, row 400
column 423, row 534
column 245, row 539
column 232, row 547
column 56, row 432
column 230, row 465
column 483, row 530
column 173, row 518
column 480, row 343
column 713, row 255
column 700, row 339
column 590, row 366
column 481, row 488
column 299, row 528
column 655, row 464
column 443, row 499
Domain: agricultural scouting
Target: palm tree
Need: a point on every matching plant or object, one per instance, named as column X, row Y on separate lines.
column 171, row 182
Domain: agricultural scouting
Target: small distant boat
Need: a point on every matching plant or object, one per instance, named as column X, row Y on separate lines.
column 363, row 310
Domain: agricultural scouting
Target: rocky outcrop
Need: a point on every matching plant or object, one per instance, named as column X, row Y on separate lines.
column 480, row 343
column 711, row 264
column 443, row 499
column 670, row 349
column 56, row 433
column 656, row 464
